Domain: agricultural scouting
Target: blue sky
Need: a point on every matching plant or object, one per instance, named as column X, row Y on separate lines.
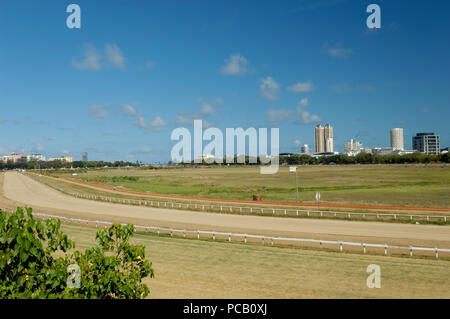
column 136, row 70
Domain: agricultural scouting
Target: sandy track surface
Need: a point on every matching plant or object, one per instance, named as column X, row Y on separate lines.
column 19, row 189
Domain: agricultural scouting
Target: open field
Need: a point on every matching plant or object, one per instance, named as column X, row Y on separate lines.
column 19, row 190
column 188, row 268
column 399, row 185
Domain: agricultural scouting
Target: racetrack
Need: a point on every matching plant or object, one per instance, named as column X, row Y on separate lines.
column 20, row 190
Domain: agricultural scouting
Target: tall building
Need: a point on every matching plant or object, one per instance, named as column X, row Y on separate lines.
column 324, row 139
column 319, row 139
column 397, row 139
column 304, row 149
column 353, row 148
column 427, row 143
column 329, row 147
column 85, row 157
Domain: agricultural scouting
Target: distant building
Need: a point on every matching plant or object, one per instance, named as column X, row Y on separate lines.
column 67, row 159
column 324, row 139
column 427, row 143
column 15, row 158
column 208, row 158
column 329, row 145
column 85, row 157
column 319, row 134
column 382, row 151
column 397, row 139
column 304, row 149
column 353, row 148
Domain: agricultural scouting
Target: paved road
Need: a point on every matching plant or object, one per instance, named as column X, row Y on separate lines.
column 20, row 189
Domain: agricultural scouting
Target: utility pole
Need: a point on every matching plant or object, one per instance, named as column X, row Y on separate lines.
column 294, row 169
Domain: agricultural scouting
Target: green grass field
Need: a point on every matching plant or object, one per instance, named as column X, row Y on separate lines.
column 399, row 185
column 189, row 268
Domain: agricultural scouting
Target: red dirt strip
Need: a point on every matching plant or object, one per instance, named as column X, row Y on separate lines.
column 281, row 203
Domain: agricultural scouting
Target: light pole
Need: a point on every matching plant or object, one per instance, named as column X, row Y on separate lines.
column 294, row 169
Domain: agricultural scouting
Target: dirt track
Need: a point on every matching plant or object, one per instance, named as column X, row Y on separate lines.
column 21, row 190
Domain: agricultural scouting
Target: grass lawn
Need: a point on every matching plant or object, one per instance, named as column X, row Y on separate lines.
column 399, row 185
column 189, row 268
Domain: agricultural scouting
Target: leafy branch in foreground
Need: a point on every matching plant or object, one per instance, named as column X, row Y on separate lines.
column 35, row 263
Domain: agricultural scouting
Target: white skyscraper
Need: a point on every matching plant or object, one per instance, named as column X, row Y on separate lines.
column 353, row 148
column 397, row 139
column 305, row 149
column 329, row 146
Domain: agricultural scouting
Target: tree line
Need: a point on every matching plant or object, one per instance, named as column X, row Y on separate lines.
column 362, row 158
column 23, row 164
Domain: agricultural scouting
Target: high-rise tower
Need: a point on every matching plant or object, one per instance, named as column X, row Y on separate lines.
column 319, row 139
column 329, row 147
column 397, row 139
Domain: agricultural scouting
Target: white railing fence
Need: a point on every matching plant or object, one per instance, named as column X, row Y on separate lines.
column 244, row 237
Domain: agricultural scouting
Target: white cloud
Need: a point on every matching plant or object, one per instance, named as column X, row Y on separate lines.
column 339, row 52
column 269, row 88
column 91, row 61
column 235, row 65
column 37, row 148
column 93, row 58
column 139, row 120
column 297, row 143
column 343, row 87
column 208, row 109
column 158, row 122
column 129, row 110
column 144, row 150
column 149, row 64
column 304, row 102
column 65, row 152
column 99, row 111
column 300, row 115
column 278, row 116
column 115, row 56
column 305, row 116
column 301, row 87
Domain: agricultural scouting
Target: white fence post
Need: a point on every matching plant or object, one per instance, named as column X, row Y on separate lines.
column 340, row 247
column 437, row 254
column 385, row 249
column 410, row 251
column 364, row 248
column 229, row 237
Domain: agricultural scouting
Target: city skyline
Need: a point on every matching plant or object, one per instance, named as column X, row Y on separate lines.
column 118, row 97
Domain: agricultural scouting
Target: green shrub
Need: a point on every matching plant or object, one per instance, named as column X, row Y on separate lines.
column 30, row 268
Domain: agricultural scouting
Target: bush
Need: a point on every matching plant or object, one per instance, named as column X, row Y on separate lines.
column 30, row 268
